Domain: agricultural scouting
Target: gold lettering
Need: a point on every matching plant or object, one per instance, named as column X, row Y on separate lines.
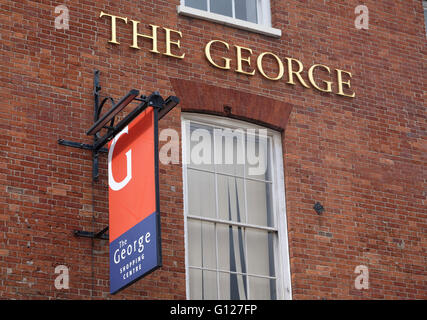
column 113, row 25
column 209, row 56
column 240, row 60
column 311, row 78
column 341, row 83
column 297, row 73
column 153, row 36
column 279, row 62
column 169, row 43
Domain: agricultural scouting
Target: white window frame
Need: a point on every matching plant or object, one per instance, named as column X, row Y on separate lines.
column 281, row 248
column 264, row 18
column 425, row 13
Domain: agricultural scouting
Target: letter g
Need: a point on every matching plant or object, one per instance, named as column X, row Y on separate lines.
column 116, row 261
column 114, row 185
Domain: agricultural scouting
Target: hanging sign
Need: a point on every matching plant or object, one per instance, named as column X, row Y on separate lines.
column 135, row 248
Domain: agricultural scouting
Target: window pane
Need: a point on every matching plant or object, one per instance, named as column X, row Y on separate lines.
column 260, row 252
column 210, row 291
column 231, row 199
column 223, row 7
column 246, row 10
column 259, row 203
column 229, row 152
column 201, row 193
column 201, row 244
column 232, row 286
column 200, row 154
column 194, row 239
column 197, row 4
column 195, row 284
column 258, row 156
column 231, row 248
column 203, row 284
column 262, row 289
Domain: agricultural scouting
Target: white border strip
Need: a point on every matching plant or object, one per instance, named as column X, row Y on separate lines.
column 241, row 24
column 184, row 147
column 284, row 258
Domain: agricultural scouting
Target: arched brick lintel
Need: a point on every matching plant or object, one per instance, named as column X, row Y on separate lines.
column 200, row 97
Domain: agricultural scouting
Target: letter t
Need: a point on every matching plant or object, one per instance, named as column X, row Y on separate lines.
column 113, row 25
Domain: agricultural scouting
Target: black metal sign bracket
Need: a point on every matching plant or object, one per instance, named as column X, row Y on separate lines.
column 108, row 119
column 98, row 235
column 107, row 122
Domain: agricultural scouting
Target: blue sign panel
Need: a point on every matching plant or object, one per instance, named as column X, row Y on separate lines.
column 133, row 254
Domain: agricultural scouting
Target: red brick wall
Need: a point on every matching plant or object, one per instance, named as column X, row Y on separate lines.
column 364, row 159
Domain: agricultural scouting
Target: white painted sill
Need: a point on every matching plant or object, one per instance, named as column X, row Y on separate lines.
column 241, row 24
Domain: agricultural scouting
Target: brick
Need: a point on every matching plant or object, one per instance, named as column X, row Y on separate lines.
column 4, row 252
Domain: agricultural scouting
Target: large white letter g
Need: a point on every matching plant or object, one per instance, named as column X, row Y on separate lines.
column 114, row 185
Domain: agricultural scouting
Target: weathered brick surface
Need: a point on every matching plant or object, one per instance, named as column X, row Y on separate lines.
column 364, row 159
